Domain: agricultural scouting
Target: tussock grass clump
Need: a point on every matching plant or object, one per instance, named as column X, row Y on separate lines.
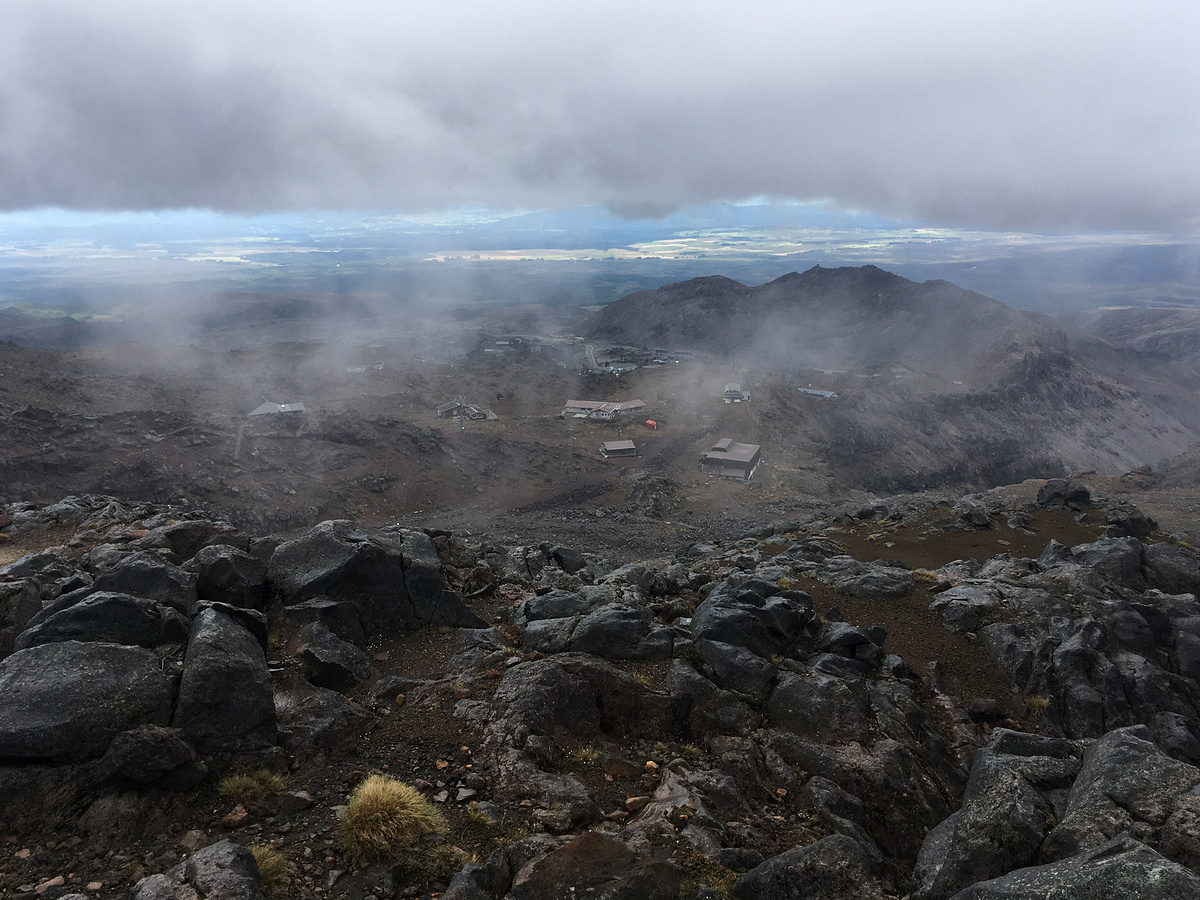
column 698, row 870
column 272, row 867
column 438, row 863
column 383, row 818
column 1036, row 707
column 248, row 789
column 586, row 753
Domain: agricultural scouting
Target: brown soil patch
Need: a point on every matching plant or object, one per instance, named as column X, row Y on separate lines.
column 924, row 543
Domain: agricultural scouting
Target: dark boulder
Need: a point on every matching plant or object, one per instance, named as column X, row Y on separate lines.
column 1172, row 570
column 152, row 755
column 111, row 618
column 594, row 865
column 339, row 617
column 20, row 601
column 834, row 868
column 68, row 700
column 146, row 575
column 225, row 574
column 1006, row 814
column 1125, row 779
column 141, row 575
column 329, row 662
column 822, row 707
column 618, row 631
column 225, row 695
column 568, row 560
column 394, row 579
column 736, row 669
column 1119, row 559
column 1121, row 868
column 711, row 710
column 185, row 539
column 313, row 718
column 553, row 605
column 750, row 616
column 221, row 871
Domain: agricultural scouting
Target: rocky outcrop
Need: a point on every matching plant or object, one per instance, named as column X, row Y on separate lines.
column 393, row 579
column 652, row 727
column 1033, row 801
column 223, row 870
column 1121, row 868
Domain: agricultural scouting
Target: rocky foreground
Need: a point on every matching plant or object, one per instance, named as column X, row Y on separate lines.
column 688, row 727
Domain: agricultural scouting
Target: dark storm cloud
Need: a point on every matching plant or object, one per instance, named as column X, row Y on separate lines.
column 1013, row 115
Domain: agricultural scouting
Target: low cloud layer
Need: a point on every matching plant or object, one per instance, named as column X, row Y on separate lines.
column 1003, row 115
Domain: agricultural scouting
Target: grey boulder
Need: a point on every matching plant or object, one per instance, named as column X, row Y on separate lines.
column 1122, row 868
column 225, row 695
column 67, row 701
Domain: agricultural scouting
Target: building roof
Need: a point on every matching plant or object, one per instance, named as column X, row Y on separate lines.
column 605, row 405
column 613, row 446
column 729, row 450
column 268, row 408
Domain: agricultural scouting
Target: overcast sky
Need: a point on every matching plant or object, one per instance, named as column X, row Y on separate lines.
column 1040, row 115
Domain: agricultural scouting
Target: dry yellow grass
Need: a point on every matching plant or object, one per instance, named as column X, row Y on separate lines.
column 247, row 789
column 272, row 867
column 382, row 818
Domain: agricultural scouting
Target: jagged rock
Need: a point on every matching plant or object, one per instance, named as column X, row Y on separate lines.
column 186, row 539
column 1125, row 779
column 140, row 575
column 312, row 718
column 151, row 754
column 966, row 607
column 32, row 565
column 225, row 574
column 329, row 662
column 595, row 865
column 339, row 617
column 821, row 706
column 1172, row 570
column 549, row 635
column 553, row 605
column 522, row 565
column 394, row 580
column 710, row 709
column 452, row 551
column 1006, row 813
column 1058, row 493
column 20, row 601
column 68, row 700
column 755, row 615
column 570, row 561
column 736, row 669
column 1121, row 868
column 852, row 642
column 833, row 868
column 1117, row 558
column 225, row 695
column 860, row 579
column 621, row 632
column 112, row 618
column 222, row 871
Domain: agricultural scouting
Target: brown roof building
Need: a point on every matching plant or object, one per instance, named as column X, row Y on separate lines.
column 729, row 459
column 610, row 449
